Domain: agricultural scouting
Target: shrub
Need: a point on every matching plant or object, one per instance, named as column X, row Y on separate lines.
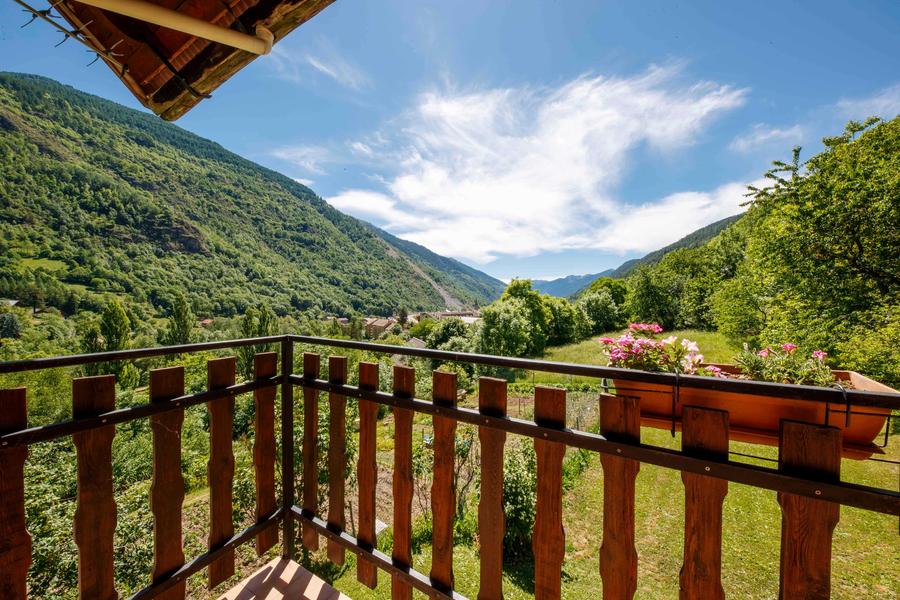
column 519, row 497
column 10, row 326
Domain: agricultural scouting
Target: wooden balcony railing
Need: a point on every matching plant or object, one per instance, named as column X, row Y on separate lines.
column 807, row 478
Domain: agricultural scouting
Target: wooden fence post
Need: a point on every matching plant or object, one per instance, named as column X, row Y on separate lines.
column 220, row 469
column 337, row 458
column 491, row 524
column 443, row 493
column 367, row 473
column 807, row 524
column 404, row 385
column 311, row 364
column 265, row 365
column 15, row 542
column 167, row 487
column 620, row 419
column 549, row 539
column 705, row 435
column 95, row 515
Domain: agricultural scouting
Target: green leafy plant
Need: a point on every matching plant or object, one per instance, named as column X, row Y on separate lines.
column 784, row 364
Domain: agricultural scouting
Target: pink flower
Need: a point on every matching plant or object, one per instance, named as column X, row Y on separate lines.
column 819, row 355
column 714, row 371
column 689, row 345
column 656, row 328
column 606, row 340
column 764, row 353
column 789, row 347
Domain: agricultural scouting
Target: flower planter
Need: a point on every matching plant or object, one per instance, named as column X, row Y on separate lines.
column 757, row 419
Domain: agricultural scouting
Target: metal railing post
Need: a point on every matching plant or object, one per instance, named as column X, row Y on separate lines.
column 287, row 447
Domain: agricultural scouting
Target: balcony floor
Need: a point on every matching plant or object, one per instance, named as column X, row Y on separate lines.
column 283, row 578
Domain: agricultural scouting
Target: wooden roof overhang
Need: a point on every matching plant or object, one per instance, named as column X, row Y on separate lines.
column 170, row 71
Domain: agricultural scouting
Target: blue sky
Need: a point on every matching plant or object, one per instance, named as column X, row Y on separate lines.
column 534, row 138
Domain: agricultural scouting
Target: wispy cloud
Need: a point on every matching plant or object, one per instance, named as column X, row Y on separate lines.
column 301, row 66
column 304, row 181
column 311, row 159
column 764, row 136
column 519, row 171
column 884, row 103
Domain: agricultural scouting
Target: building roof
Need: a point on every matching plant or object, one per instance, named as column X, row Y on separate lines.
column 415, row 342
column 168, row 71
column 381, row 322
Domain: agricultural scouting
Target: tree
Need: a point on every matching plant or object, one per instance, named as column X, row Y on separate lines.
column 616, row 288
column 181, row 323
column 568, row 322
column 402, row 316
column 505, row 329
column 648, row 300
column 115, row 327
column 9, row 325
column 446, row 329
column 536, row 311
column 601, row 310
column 257, row 322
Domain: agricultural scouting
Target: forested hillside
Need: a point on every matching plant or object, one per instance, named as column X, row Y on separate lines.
column 99, row 199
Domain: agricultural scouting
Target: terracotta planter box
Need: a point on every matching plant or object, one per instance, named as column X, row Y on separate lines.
column 757, row 419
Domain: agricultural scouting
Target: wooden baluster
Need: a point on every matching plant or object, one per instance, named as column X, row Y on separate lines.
column 220, row 469
column 310, row 450
column 491, row 523
column 443, row 492
column 705, row 435
column 265, row 365
column 15, row 542
column 367, row 473
column 167, row 487
column 404, row 386
column 619, row 421
column 95, row 515
column 549, row 538
column 807, row 524
column 337, row 458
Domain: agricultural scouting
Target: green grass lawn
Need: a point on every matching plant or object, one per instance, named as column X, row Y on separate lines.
column 43, row 263
column 866, row 560
column 714, row 346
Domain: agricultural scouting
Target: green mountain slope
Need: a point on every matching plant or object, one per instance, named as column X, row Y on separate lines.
column 98, row 199
column 455, row 277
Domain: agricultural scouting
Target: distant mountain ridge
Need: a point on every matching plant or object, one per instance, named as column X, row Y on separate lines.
column 100, row 200
column 566, row 286
column 573, row 284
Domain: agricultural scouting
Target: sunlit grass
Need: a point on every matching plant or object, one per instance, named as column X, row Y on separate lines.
column 865, row 562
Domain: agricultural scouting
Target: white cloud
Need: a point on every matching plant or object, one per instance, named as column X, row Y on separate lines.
column 762, row 135
column 304, row 181
column 361, row 148
column 651, row 226
column 884, row 103
column 521, row 171
column 298, row 66
column 310, row 158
